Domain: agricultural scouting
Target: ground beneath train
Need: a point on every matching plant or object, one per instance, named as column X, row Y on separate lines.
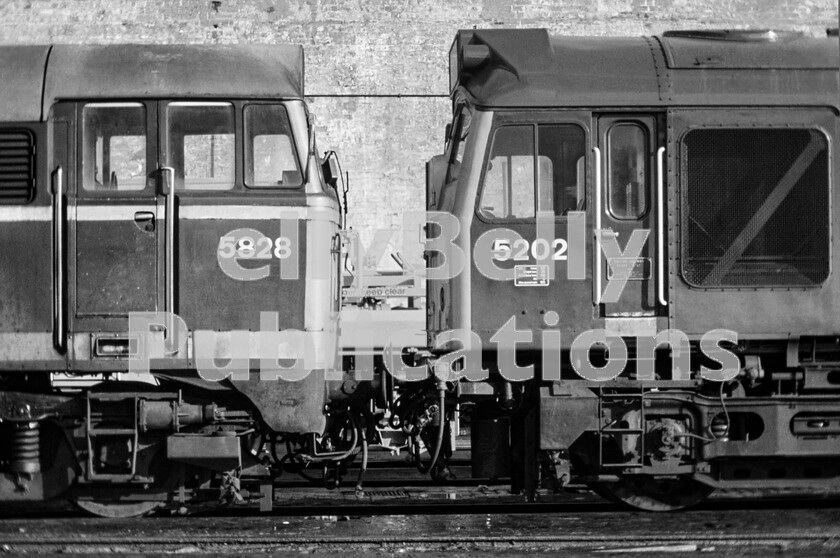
column 433, row 522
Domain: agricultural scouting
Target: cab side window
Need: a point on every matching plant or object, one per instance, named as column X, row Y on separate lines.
column 201, row 145
column 534, row 167
column 270, row 158
column 114, row 147
column 509, row 180
column 459, row 140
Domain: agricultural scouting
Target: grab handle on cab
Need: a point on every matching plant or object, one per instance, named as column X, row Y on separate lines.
column 597, row 274
column 660, row 226
column 169, row 243
column 59, row 223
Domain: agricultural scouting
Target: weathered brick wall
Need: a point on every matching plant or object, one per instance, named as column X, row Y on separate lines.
column 377, row 69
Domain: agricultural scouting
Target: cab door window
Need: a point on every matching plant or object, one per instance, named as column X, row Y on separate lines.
column 114, row 147
column 200, row 145
column 627, row 144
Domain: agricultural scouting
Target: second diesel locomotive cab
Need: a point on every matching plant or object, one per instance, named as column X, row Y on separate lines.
column 162, row 210
column 641, row 218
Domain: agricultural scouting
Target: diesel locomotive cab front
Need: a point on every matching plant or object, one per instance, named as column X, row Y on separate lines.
column 164, row 214
column 648, row 267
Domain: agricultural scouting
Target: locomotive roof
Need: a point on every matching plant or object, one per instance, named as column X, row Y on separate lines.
column 34, row 77
column 529, row 68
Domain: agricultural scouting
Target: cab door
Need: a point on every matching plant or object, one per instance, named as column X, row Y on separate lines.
column 528, row 222
column 115, row 216
column 238, row 185
column 630, row 258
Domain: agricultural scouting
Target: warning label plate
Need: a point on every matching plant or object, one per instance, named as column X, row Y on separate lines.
column 530, row 275
column 632, row 269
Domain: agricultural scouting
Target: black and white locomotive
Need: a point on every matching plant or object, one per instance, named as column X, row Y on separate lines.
column 650, row 222
column 132, row 179
column 629, row 256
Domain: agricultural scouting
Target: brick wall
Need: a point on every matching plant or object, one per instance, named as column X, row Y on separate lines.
column 377, row 69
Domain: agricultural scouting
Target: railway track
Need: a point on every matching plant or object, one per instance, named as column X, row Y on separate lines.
column 721, row 527
column 593, row 543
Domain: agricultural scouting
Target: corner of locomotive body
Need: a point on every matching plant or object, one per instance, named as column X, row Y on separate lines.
column 178, row 186
column 647, row 223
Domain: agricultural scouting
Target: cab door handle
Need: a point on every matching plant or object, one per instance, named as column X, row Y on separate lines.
column 145, row 220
